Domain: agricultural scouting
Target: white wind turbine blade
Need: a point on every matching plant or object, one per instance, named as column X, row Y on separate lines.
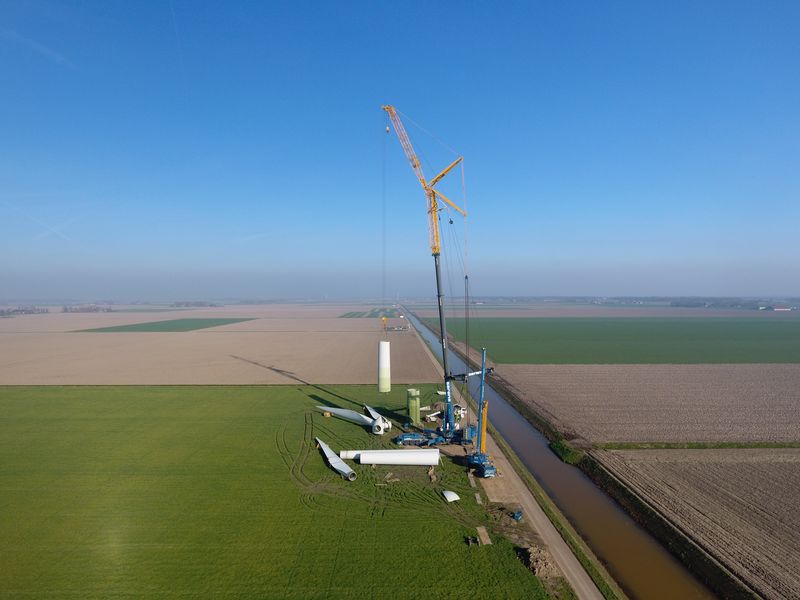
column 348, row 415
column 335, row 462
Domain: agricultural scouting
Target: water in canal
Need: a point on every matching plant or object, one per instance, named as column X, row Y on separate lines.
column 636, row 560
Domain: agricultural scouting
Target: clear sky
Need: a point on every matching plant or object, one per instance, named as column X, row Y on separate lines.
column 184, row 149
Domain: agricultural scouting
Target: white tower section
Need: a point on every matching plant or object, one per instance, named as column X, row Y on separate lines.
column 384, row 368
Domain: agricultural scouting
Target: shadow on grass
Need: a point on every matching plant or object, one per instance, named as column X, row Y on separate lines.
column 384, row 410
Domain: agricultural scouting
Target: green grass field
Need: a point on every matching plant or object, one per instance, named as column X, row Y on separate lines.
column 131, row 492
column 375, row 313
column 632, row 340
column 166, row 326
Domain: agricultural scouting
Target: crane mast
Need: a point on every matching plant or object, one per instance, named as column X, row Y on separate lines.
column 432, row 197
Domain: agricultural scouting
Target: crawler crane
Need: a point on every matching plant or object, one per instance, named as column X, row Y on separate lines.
column 432, row 196
column 448, row 432
column 479, row 459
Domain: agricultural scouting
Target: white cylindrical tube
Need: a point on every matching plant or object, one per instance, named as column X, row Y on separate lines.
column 427, row 457
column 349, row 454
column 384, row 368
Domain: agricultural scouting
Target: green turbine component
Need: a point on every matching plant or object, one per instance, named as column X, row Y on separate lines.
column 412, row 399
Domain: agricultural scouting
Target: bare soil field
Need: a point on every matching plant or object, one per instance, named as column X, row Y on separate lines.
column 664, row 403
column 284, row 344
column 741, row 505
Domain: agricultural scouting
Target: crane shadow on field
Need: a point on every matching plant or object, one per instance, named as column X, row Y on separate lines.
column 384, row 410
column 282, row 372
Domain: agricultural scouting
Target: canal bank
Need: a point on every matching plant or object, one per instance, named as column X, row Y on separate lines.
column 634, row 558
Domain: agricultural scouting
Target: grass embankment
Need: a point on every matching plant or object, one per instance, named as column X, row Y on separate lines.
column 601, row 578
column 514, row 340
column 173, row 325
column 143, row 491
column 566, row 451
column 604, row 582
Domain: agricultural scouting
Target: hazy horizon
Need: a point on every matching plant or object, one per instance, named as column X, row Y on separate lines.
column 170, row 286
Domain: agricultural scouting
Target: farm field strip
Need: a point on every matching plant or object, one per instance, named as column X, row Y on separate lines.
column 740, row 505
column 197, row 491
column 375, row 313
column 664, row 403
column 633, row 341
column 547, row 310
column 169, row 326
column 62, row 322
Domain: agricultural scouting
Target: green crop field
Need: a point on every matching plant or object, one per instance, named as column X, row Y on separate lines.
column 375, row 313
column 111, row 492
column 166, row 326
column 632, row 341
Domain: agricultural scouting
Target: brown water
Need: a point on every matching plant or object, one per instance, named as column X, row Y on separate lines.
column 636, row 560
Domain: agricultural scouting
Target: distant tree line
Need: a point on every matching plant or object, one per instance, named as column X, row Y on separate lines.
column 22, row 310
column 193, row 304
column 87, row 308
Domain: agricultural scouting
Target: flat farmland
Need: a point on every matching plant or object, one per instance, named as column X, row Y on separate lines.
column 740, row 505
column 126, row 315
column 664, row 403
column 267, row 345
column 633, row 340
column 191, row 491
column 667, row 381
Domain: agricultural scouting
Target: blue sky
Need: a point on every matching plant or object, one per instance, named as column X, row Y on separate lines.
column 194, row 149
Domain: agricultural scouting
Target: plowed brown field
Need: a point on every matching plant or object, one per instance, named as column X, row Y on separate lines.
column 741, row 505
column 283, row 344
column 665, row 403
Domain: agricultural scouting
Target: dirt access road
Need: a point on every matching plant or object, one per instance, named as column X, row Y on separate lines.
column 508, row 487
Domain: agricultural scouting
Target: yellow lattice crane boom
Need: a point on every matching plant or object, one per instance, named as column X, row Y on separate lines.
column 449, row 430
column 432, row 195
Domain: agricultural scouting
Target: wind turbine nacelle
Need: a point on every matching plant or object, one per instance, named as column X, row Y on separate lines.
column 381, row 426
column 374, row 421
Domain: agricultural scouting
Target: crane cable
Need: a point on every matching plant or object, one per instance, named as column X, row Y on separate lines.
column 461, row 253
column 383, row 214
column 421, row 128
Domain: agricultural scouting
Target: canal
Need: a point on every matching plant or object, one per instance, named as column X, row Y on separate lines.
column 636, row 560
